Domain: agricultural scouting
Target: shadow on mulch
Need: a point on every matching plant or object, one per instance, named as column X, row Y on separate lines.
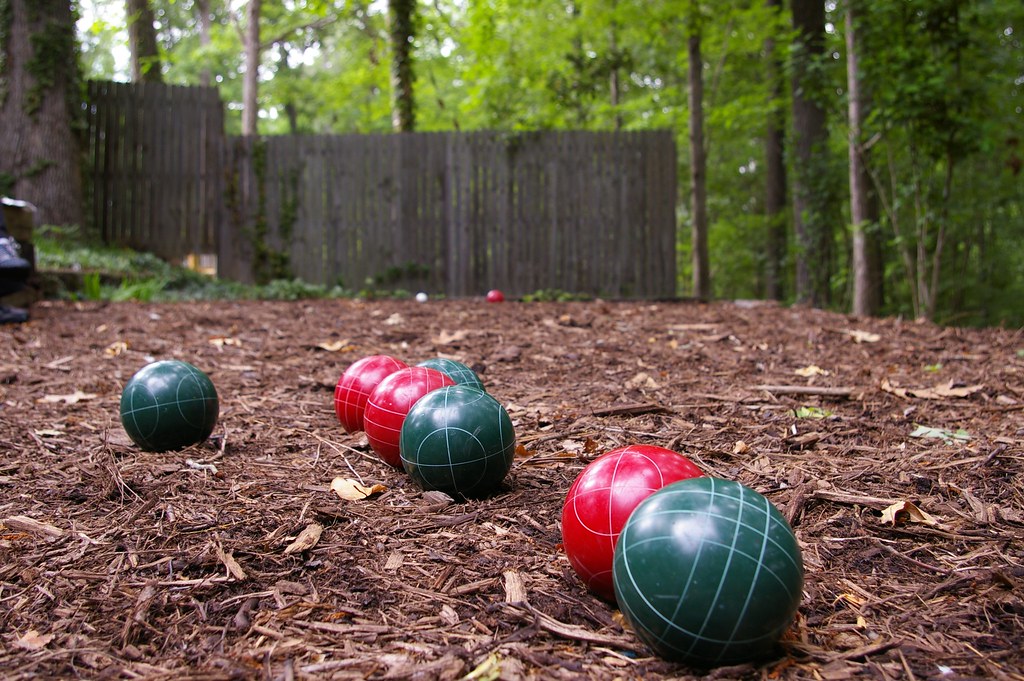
column 118, row 563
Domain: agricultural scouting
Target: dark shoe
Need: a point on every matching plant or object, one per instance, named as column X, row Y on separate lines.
column 9, row 286
column 12, row 265
column 13, row 315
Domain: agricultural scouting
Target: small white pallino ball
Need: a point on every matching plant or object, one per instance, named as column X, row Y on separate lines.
column 421, row 297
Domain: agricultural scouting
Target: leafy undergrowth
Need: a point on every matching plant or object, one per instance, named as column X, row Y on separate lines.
column 79, row 270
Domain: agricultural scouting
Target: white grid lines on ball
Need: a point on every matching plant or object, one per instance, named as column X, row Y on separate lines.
column 770, row 523
column 483, row 455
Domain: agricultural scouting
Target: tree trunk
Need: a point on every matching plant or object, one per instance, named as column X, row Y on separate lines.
column 250, row 83
column 40, row 158
column 145, row 55
column 814, row 252
column 775, row 174
column 698, row 163
column 867, row 282
column 402, row 30
column 614, row 83
column 285, row 72
column 202, row 9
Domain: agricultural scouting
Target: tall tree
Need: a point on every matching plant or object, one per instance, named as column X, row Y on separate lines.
column 401, row 29
column 39, row 98
column 814, row 250
column 250, row 83
column 775, row 167
column 938, row 112
column 615, row 64
column 203, row 19
column 145, row 55
column 698, row 163
column 867, row 275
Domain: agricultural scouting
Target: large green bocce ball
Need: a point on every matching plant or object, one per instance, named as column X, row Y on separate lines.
column 708, row 572
column 168, row 405
column 457, row 371
column 458, row 440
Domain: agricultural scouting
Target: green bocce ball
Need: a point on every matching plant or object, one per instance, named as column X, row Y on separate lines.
column 708, row 572
column 458, row 440
column 168, row 405
column 457, row 371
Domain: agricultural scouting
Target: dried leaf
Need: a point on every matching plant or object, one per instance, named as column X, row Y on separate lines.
column 445, row 338
column 944, row 434
column 642, row 380
column 952, row 390
column 33, row 640
column 306, row 540
column 353, row 490
column 939, row 392
column 220, row 341
column 888, row 387
column 905, row 511
column 740, row 447
column 336, row 346
column 812, row 370
column 115, row 348
column 395, row 319
column 571, row 446
column 73, row 398
column 852, row 599
column 863, row 336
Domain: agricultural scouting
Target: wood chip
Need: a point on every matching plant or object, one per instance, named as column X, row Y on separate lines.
column 807, row 390
column 234, row 569
column 515, row 590
column 21, row 523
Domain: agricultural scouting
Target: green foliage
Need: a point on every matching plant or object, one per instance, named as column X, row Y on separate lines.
column 269, row 263
column 550, row 295
column 119, row 274
column 811, row 413
column 92, row 289
column 944, row 127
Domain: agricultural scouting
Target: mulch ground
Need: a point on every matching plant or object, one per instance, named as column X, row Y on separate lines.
column 234, row 559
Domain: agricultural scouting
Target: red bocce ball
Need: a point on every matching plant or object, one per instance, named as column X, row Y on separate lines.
column 495, row 296
column 389, row 403
column 356, row 384
column 601, row 500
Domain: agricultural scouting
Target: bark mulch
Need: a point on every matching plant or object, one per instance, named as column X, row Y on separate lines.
column 234, row 559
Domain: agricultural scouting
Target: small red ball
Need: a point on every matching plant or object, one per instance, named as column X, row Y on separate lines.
column 356, row 384
column 390, row 402
column 601, row 500
column 495, row 296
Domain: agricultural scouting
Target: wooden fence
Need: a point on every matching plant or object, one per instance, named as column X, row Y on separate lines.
column 452, row 213
column 156, row 155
